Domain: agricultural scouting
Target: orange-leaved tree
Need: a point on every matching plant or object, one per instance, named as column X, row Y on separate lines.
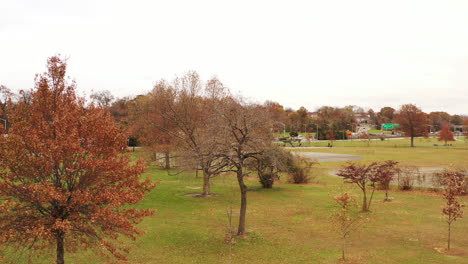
column 445, row 134
column 453, row 182
column 66, row 181
column 153, row 131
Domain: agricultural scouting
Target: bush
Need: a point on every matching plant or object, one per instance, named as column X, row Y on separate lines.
column 329, row 135
column 407, row 176
column 268, row 165
column 267, row 180
column 293, row 134
column 301, row 171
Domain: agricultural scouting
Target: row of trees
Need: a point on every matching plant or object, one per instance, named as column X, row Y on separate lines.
column 328, row 122
column 328, row 119
column 66, row 181
column 204, row 127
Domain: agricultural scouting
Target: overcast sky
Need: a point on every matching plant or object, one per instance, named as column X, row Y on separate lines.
column 298, row 53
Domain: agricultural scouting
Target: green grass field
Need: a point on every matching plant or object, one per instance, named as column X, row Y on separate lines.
column 291, row 223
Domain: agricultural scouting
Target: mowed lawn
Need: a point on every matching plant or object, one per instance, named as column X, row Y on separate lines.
column 291, row 223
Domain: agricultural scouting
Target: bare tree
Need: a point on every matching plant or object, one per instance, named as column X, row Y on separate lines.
column 244, row 132
column 192, row 114
column 103, row 98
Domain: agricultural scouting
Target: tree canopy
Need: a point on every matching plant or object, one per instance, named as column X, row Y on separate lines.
column 66, row 180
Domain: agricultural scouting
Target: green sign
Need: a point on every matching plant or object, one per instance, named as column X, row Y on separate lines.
column 389, row 126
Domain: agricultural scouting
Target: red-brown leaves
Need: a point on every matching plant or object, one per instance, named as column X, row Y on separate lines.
column 454, row 185
column 65, row 171
column 365, row 176
column 412, row 121
column 445, row 134
column 454, row 182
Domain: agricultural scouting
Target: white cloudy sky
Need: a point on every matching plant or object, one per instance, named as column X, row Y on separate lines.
column 299, row 53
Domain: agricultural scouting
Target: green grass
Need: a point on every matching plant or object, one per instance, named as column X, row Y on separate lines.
column 425, row 154
column 387, row 143
column 291, row 223
column 304, row 134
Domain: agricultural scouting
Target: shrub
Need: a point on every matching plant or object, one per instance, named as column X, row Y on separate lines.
column 301, row 171
column 268, row 165
column 267, row 179
column 439, row 180
column 407, row 177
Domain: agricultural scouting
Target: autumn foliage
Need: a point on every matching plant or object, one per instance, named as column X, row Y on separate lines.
column 445, row 134
column 346, row 220
column 413, row 121
column 453, row 182
column 367, row 176
column 66, row 181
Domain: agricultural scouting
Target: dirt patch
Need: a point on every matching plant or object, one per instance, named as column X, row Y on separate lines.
column 327, row 157
column 193, row 187
column 456, row 252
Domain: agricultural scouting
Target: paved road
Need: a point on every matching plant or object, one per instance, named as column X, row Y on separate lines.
column 327, row 157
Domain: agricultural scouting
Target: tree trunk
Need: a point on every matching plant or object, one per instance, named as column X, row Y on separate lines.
column 448, row 240
column 364, row 202
column 370, row 198
column 60, row 236
column 412, row 141
column 167, row 158
column 243, row 209
column 206, row 184
column 343, row 249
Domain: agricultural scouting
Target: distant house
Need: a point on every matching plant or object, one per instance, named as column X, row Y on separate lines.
column 363, row 118
column 313, row 115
